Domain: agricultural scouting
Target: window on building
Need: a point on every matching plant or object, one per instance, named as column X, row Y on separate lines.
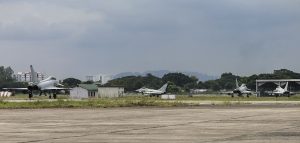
column 92, row 94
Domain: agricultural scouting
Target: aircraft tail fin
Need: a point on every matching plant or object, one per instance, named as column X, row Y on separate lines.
column 164, row 88
column 33, row 75
column 236, row 83
column 286, row 86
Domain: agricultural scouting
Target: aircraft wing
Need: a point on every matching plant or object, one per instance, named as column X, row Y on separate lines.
column 142, row 90
column 154, row 92
column 16, row 89
column 55, row 88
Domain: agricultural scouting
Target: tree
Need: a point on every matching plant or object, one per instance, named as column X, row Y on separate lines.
column 201, row 85
column 172, row 88
column 151, row 81
column 71, row 82
column 213, row 85
column 227, row 81
column 179, row 79
column 191, row 85
column 9, row 74
column 6, row 74
column 130, row 83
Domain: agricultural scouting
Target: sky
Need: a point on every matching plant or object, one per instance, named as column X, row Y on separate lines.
column 75, row 38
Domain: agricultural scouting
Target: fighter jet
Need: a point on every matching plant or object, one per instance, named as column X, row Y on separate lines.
column 141, row 90
column 153, row 92
column 240, row 90
column 279, row 91
column 48, row 85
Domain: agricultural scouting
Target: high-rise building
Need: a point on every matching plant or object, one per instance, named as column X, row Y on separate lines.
column 26, row 76
column 102, row 78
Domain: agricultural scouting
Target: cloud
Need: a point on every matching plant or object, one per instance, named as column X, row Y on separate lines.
column 21, row 20
column 95, row 36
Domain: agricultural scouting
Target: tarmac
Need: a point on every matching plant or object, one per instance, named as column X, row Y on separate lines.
column 207, row 124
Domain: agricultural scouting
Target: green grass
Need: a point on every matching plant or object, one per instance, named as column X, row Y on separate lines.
column 131, row 101
column 92, row 103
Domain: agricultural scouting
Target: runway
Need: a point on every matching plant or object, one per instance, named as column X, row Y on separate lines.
column 211, row 124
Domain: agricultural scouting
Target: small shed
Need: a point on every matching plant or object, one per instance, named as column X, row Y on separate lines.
column 110, row 92
column 84, row 91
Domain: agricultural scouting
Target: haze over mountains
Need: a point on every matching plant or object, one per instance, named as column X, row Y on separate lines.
column 161, row 73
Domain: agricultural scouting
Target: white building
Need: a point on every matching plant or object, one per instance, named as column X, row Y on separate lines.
column 84, row 91
column 102, row 78
column 110, row 92
column 26, row 76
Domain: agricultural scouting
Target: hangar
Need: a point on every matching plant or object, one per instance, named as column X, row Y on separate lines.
column 84, row 91
column 110, row 92
column 93, row 91
column 279, row 82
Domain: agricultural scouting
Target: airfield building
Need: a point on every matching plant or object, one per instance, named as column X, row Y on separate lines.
column 110, row 92
column 277, row 82
column 84, row 91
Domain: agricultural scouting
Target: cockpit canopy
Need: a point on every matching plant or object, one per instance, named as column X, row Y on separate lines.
column 50, row 78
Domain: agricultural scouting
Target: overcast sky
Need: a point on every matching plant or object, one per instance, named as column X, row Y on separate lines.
column 75, row 38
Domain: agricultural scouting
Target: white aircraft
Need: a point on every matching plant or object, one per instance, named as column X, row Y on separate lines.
column 47, row 85
column 240, row 90
column 279, row 91
column 141, row 90
column 153, row 92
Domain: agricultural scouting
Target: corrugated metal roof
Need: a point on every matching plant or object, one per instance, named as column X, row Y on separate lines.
column 89, row 87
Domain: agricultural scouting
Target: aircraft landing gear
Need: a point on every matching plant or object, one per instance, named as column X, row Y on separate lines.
column 54, row 92
column 240, row 95
column 29, row 94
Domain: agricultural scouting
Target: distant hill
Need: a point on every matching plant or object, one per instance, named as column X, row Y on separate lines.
column 161, row 73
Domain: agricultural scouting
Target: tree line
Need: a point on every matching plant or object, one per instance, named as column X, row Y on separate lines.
column 178, row 82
